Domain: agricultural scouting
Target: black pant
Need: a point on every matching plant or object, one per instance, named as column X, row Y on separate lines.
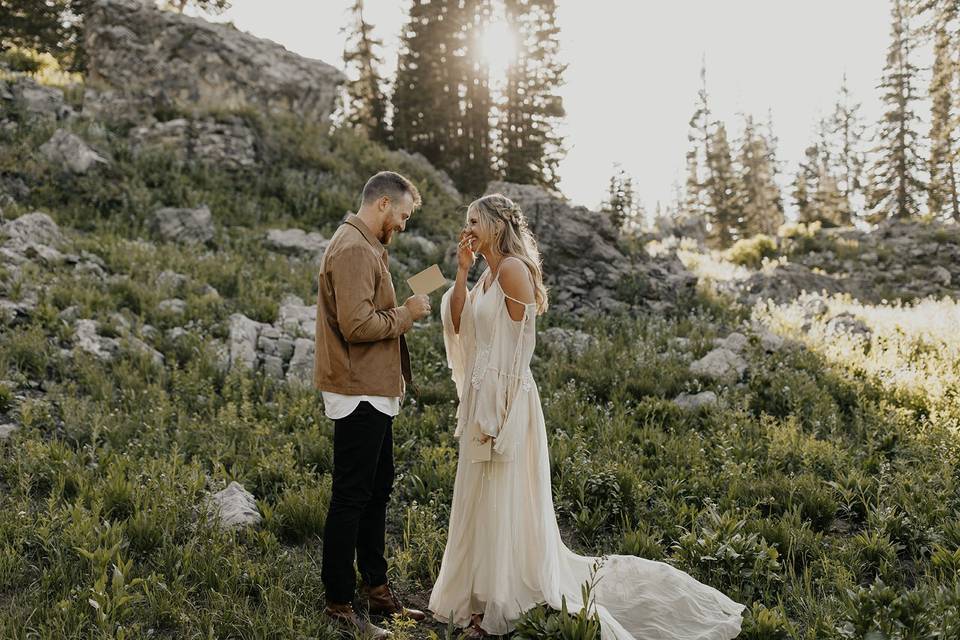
column 356, row 521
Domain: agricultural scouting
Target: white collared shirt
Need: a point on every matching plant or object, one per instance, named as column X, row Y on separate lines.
column 338, row 405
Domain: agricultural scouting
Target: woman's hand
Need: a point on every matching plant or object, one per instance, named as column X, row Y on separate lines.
column 465, row 255
column 484, row 438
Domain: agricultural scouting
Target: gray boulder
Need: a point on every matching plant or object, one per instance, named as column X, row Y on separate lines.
column 244, row 335
column 568, row 341
column 168, row 279
column 86, row 338
column 297, row 242
column 185, row 226
column 721, row 365
column 735, row 342
column 141, row 58
column 35, row 100
column 174, row 306
column 31, row 228
column 70, row 152
column 6, row 430
column 300, row 369
column 296, row 318
column 692, row 402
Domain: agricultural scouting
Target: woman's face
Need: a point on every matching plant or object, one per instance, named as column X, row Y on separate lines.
column 475, row 231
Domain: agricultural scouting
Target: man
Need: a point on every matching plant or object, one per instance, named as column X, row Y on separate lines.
column 362, row 368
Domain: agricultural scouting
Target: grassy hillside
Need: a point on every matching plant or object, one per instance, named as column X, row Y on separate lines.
column 823, row 491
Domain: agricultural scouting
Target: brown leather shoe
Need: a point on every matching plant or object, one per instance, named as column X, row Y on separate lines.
column 384, row 602
column 344, row 617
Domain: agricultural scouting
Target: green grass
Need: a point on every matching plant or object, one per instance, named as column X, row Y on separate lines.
column 823, row 492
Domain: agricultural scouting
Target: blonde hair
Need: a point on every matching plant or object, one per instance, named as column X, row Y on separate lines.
column 503, row 221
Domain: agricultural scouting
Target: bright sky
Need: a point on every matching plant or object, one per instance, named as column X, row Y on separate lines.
column 634, row 66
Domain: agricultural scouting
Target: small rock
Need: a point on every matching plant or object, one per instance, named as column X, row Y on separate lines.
column 735, row 342
column 6, row 430
column 692, row 402
column 70, row 314
column 234, row 507
column 941, row 276
column 171, row 279
column 172, row 305
column 70, row 152
column 207, row 290
column 770, row 341
column 847, row 323
column 273, row 366
column 720, row 364
column 300, row 369
column 572, row 341
column 86, row 338
column 243, row 340
column 186, row 226
column 138, row 345
column 297, row 242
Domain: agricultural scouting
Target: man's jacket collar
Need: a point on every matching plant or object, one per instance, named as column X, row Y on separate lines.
column 355, row 221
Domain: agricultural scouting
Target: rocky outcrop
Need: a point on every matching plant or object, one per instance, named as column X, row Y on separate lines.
column 70, row 152
column 87, row 337
column 185, row 226
column 142, row 59
column 583, row 267
column 226, row 143
column 282, row 350
column 782, row 282
column 898, row 260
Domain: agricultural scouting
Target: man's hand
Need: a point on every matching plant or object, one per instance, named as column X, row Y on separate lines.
column 419, row 305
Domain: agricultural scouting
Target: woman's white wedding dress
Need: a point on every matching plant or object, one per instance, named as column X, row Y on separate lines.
column 504, row 554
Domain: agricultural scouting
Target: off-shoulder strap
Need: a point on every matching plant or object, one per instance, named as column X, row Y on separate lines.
column 526, row 304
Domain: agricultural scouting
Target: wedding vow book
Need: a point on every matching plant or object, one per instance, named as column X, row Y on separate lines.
column 479, row 452
column 430, row 279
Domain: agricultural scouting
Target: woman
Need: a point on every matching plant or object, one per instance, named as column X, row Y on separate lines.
column 504, row 553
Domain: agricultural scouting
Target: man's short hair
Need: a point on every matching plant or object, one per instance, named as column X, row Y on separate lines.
column 389, row 183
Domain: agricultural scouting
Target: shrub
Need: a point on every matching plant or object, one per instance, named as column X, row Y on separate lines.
column 750, row 252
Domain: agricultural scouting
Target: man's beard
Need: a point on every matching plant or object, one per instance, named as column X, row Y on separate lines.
column 386, row 233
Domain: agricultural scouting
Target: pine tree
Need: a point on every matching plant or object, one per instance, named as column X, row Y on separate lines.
column 530, row 144
column 695, row 198
column 896, row 186
column 942, row 198
column 817, row 192
column 848, row 167
column 759, row 197
column 723, row 212
column 426, row 97
column 621, row 205
column 472, row 167
column 366, row 108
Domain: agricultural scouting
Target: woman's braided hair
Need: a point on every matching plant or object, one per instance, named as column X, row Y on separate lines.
column 515, row 238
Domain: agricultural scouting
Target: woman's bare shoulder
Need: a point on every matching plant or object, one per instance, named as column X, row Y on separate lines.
column 515, row 280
